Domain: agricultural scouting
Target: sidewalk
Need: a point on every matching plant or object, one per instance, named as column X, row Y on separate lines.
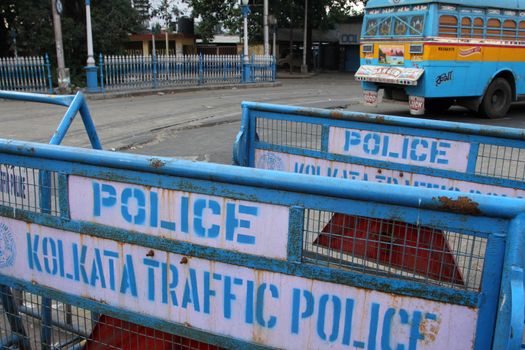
column 295, row 75
column 176, row 89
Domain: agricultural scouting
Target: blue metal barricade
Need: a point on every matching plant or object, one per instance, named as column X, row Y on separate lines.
column 248, row 258
column 385, row 149
column 405, row 151
column 233, row 256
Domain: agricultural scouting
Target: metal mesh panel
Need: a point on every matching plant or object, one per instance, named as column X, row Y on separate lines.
column 289, row 133
column 501, row 162
column 25, row 188
column 76, row 328
column 394, row 249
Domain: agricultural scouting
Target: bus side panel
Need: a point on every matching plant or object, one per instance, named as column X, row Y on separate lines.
column 467, row 70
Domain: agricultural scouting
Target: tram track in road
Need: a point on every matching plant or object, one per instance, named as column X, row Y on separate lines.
column 134, row 130
column 124, row 122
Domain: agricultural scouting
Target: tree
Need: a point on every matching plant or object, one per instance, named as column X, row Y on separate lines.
column 31, row 20
column 143, row 8
column 166, row 10
column 290, row 13
column 25, row 19
column 214, row 14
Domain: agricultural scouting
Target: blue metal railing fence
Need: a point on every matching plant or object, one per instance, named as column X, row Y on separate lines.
column 31, row 74
column 158, row 71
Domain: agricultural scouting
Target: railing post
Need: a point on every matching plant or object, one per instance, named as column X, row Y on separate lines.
column 46, row 303
column 2, row 76
column 252, row 68
column 22, row 62
column 510, row 316
column 243, row 75
column 48, row 67
column 101, row 66
column 274, row 68
column 154, row 58
column 201, row 69
column 13, row 317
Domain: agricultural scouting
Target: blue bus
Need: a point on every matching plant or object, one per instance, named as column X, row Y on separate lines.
column 434, row 54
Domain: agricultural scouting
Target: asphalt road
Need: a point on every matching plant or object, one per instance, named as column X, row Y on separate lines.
column 201, row 125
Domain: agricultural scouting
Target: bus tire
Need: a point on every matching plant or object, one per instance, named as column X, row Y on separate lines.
column 497, row 99
column 437, row 105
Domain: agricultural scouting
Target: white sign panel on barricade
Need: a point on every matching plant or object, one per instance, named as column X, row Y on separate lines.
column 248, row 227
column 323, row 167
column 256, row 306
column 400, row 149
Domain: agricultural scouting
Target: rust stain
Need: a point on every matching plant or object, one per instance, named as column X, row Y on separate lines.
column 156, row 163
column 462, row 205
column 430, row 329
column 337, row 114
column 151, row 253
column 184, row 260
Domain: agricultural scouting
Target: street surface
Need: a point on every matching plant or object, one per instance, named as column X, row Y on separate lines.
column 201, row 125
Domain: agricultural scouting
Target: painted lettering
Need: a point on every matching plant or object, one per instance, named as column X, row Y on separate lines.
column 134, row 206
column 12, row 184
column 416, row 149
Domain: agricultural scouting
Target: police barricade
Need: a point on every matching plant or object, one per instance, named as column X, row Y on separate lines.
column 232, row 257
column 370, row 147
column 385, row 149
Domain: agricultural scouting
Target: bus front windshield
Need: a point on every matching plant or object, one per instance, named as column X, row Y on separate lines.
column 394, row 23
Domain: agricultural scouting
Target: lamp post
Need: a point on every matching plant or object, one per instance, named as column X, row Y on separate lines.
column 272, row 20
column 91, row 69
column 304, row 67
column 63, row 72
column 245, row 9
column 265, row 25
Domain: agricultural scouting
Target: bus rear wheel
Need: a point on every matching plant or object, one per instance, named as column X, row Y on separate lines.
column 497, row 99
column 437, row 105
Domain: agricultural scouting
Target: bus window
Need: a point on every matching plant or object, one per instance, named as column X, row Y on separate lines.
column 466, row 27
column 509, row 30
column 521, row 31
column 400, row 26
column 416, row 25
column 448, row 26
column 371, row 27
column 493, row 29
column 478, row 28
column 384, row 27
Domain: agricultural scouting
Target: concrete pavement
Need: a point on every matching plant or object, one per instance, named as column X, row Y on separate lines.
column 128, row 121
column 201, row 125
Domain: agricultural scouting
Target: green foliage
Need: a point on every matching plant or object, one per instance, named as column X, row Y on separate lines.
column 213, row 14
column 32, row 21
column 143, row 8
column 166, row 10
column 34, row 32
column 225, row 15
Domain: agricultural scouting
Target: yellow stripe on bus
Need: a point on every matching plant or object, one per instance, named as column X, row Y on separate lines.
column 444, row 52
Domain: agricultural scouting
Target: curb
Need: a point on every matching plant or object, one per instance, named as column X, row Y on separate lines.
column 296, row 76
column 172, row 90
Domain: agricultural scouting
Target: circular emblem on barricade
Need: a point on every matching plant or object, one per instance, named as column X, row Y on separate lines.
column 395, row 2
column 270, row 161
column 7, row 246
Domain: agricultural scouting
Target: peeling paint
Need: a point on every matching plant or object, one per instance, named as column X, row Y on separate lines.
column 461, row 205
column 156, row 163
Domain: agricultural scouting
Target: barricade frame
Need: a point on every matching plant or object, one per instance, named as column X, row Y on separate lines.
column 247, row 141
column 367, row 199
column 500, row 221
